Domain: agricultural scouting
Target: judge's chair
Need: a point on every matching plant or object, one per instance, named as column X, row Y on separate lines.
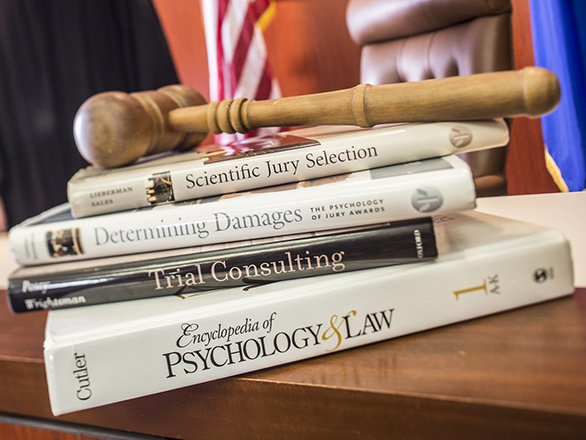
column 413, row 40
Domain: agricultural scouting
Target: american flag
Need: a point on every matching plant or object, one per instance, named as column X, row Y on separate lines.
column 237, row 55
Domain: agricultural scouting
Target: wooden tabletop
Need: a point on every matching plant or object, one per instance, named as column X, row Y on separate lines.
column 519, row 374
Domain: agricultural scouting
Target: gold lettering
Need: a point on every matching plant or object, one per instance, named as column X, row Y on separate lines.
column 471, row 289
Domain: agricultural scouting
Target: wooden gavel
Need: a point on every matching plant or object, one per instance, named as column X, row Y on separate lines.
column 112, row 129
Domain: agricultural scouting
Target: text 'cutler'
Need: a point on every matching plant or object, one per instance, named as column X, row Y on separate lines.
column 81, row 374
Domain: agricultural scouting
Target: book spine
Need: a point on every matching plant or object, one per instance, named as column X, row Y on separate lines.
column 355, row 200
column 364, row 150
column 302, row 320
column 398, row 243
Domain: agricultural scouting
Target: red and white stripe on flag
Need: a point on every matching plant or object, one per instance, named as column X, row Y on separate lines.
column 237, row 55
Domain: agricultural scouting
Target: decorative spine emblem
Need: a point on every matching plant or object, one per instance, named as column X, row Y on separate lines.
column 159, row 188
column 460, row 136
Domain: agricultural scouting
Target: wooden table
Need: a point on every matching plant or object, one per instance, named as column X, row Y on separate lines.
column 519, row 374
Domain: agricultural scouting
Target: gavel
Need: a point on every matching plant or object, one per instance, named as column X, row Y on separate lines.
column 113, row 129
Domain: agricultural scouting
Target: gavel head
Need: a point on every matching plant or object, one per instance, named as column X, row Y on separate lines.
column 112, row 129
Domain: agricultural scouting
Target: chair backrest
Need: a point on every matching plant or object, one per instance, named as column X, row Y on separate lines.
column 413, row 40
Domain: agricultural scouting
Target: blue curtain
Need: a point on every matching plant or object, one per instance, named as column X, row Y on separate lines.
column 559, row 40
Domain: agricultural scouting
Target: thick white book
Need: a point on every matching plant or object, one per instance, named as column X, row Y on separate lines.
column 292, row 156
column 108, row 353
column 397, row 192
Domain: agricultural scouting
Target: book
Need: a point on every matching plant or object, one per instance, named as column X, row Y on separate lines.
column 296, row 155
column 563, row 211
column 112, row 352
column 248, row 263
column 396, row 192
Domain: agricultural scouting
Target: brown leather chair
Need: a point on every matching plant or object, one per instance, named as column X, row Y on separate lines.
column 413, row 40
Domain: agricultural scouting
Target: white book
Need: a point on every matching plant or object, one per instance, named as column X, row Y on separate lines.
column 108, row 353
column 292, row 156
column 397, row 192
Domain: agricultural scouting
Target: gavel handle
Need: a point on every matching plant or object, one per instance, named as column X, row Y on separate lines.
column 528, row 92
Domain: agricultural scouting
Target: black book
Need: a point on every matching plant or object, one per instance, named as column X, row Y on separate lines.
column 204, row 268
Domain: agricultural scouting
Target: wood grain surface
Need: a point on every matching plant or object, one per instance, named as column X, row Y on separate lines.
column 518, row 374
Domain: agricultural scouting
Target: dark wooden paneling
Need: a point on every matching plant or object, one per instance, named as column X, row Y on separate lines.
column 310, row 48
column 526, row 170
column 18, row 432
column 183, row 27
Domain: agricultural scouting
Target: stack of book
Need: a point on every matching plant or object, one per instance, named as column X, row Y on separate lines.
column 268, row 251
